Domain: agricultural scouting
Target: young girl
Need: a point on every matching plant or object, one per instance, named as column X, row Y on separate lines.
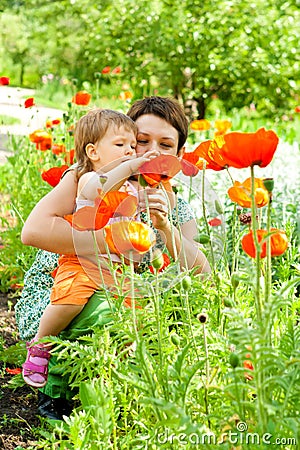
column 105, row 142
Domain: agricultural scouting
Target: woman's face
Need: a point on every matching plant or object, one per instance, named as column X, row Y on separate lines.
column 155, row 133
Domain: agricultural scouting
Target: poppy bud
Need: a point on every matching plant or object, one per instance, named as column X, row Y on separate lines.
column 228, row 302
column 218, row 207
column 202, row 317
column 175, row 339
column 235, row 280
column 269, row 184
column 102, row 179
column 157, row 260
column 187, row 283
column 142, row 181
column 234, row 360
column 202, row 238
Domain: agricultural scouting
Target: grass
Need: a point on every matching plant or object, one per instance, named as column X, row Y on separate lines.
column 9, row 120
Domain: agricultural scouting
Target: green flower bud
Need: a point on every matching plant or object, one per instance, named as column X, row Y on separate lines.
column 234, row 360
column 142, row 181
column 157, row 260
column 218, row 207
column 186, row 283
column 202, row 238
column 175, row 339
column 228, row 302
column 235, row 280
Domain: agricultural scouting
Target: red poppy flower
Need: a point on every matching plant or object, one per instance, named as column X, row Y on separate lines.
column 90, row 217
column 240, row 193
column 51, row 123
column 15, row 371
column 279, row 243
column 160, row 169
column 69, row 157
column 4, row 81
column 53, row 175
column 166, row 263
column 58, row 149
column 241, row 150
column 106, row 69
column 249, row 366
column 123, row 237
column 29, row 102
column 203, row 153
column 116, row 70
column 188, row 164
column 200, row 125
column 215, row 222
column 82, row 98
column 297, row 109
column 42, row 139
column 121, row 203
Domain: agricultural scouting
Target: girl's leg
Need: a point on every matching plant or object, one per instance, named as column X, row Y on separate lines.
column 54, row 320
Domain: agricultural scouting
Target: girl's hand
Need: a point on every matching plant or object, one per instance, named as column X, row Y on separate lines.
column 136, row 162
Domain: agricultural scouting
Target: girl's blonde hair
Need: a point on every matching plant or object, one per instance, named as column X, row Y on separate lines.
column 92, row 127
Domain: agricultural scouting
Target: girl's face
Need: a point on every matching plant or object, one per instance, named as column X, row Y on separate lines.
column 117, row 146
column 154, row 133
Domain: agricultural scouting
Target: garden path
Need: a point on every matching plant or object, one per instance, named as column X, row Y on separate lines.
column 12, row 104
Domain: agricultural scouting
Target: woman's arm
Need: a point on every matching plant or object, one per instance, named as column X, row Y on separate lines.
column 46, row 228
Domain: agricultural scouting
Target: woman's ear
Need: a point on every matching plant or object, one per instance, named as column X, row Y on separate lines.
column 90, row 150
column 181, row 152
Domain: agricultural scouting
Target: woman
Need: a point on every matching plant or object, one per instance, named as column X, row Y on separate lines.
column 162, row 126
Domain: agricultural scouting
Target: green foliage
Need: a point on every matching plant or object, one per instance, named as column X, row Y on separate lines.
column 242, row 52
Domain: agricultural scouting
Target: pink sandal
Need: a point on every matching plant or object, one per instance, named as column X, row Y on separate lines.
column 35, row 368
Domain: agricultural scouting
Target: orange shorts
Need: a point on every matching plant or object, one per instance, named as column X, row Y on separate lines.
column 77, row 280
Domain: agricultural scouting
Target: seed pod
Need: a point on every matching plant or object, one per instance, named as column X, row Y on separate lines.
column 245, row 218
column 202, row 317
column 234, row 360
column 269, row 184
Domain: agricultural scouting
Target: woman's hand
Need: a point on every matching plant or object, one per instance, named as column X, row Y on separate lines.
column 156, row 200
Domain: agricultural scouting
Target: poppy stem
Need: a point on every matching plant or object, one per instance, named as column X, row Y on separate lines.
column 133, row 297
column 100, row 271
column 257, row 248
column 268, row 275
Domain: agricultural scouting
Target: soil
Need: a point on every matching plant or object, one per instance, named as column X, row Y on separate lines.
column 18, row 407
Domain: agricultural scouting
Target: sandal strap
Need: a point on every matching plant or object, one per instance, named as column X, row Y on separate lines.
column 35, row 350
column 31, row 368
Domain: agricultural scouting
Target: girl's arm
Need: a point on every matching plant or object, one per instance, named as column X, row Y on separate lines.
column 115, row 175
column 46, row 228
